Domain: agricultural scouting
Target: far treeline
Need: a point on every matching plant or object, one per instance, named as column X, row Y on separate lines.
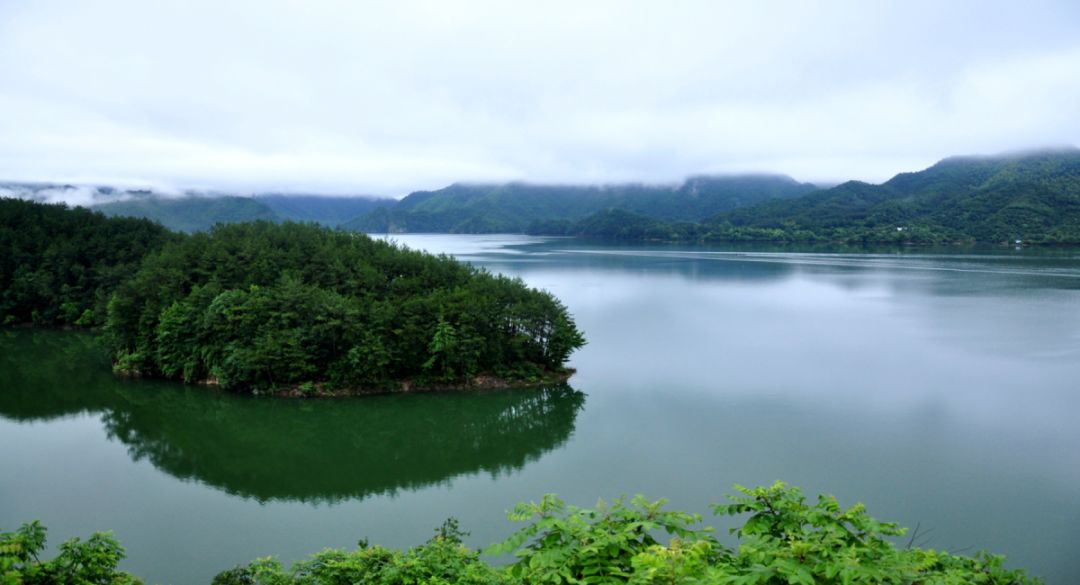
column 1033, row 197
column 784, row 540
column 200, row 212
column 285, row 307
column 515, row 207
column 1030, row 199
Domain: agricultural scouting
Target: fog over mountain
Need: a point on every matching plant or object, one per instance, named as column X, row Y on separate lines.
column 340, row 98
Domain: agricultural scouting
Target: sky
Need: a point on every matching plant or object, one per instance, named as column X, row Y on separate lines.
column 385, row 98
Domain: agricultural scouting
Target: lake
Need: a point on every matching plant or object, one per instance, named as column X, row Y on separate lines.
column 940, row 387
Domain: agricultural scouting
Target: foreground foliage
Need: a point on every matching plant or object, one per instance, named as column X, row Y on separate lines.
column 89, row 562
column 784, row 540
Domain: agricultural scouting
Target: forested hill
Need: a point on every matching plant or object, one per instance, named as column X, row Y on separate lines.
column 59, row 266
column 198, row 211
column 1034, row 197
column 513, row 207
column 190, row 213
column 262, row 305
column 324, row 209
column 279, row 307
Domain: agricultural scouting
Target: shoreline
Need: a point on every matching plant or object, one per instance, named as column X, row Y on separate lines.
column 478, row 382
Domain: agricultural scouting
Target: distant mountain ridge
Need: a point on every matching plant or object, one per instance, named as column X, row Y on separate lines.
column 329, row 210
column 191, row 213
column 514, row 207
column 197, row 211
column 1029, row 196
column 85, row 195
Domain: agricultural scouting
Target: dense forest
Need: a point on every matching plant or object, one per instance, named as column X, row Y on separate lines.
column 513, row 207
column 1032, row 197
column 276, row 306
column 784, row 539
column 193, row 434
column 60, row 265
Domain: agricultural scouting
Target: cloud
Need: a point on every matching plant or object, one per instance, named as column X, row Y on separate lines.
column 385, row 98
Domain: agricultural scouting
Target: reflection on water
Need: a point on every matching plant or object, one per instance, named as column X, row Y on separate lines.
column 979, row 264
column 937, row 385
column 265, row 448
column 940, row 387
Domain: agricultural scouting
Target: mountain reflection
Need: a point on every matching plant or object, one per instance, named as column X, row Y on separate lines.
column 267, row 449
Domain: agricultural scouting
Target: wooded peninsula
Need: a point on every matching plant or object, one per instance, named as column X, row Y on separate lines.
column 286, row 308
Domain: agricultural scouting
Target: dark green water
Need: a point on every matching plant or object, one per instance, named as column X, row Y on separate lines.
column 939, row 388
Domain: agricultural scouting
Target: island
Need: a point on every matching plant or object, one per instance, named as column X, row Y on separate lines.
column 289, row 308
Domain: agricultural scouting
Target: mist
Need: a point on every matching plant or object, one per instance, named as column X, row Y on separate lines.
column 344, row 98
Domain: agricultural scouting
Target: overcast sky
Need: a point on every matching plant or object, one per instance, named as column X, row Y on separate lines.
column 386, row 98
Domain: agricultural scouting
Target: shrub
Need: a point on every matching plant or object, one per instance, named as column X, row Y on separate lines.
column 93, row 561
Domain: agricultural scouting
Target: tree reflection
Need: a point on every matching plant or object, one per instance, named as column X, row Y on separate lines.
column 265, row 448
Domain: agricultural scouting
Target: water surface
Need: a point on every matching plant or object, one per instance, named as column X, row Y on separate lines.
column 938, row 387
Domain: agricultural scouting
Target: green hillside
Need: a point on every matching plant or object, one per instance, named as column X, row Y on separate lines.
column 325, row 209
column 280, row 307
column 277, row 307
column 1034, row 197
column 60, row 265
column 191, row 213
column 513, row 207
column 1031, row 196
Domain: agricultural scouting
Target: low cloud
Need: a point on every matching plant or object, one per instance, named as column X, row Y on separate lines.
column 346, row 97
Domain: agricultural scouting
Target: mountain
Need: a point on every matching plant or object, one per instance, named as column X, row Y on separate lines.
column 197, row 212
column 324, row 209
column 190, row 213
column 1031, row 196
column 513, row 207
column 84, row 195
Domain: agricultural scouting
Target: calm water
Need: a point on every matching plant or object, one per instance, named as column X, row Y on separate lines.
column 941, row 389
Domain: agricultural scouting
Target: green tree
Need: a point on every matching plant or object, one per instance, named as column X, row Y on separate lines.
column 90, row 562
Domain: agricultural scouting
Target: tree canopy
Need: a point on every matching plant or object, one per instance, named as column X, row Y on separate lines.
column 60, row 265
column 261, row 305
